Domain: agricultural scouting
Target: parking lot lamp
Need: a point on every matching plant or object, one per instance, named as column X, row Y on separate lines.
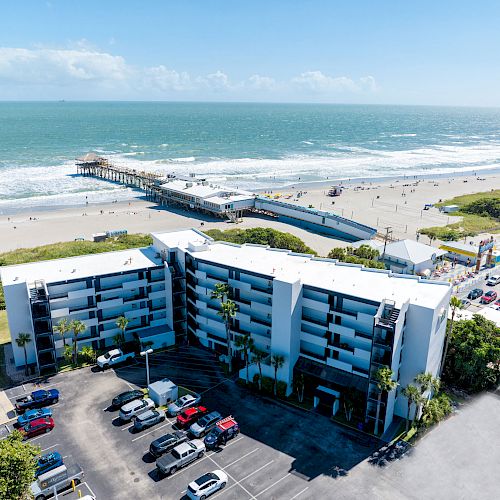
column 147, row 353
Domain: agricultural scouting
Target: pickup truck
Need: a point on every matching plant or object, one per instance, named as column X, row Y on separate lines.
column 113, row 358
column 37, row 399
column 180, row 456
column 58, row 479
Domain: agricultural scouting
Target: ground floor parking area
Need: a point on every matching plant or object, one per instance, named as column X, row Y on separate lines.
column 280, row 453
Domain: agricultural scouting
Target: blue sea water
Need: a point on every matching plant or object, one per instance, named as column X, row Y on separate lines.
column 246, row 145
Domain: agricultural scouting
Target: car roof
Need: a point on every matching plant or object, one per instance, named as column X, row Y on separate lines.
column 145, row 415
column 39, row 392
column 39, row 421
column 181, row 448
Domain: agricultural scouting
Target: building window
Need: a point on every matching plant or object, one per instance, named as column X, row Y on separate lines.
column 335, row 354
column 338, row 320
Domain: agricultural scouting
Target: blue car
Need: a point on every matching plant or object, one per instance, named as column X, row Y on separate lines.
column 37, row 399
column 48, row 462
column 30, row 415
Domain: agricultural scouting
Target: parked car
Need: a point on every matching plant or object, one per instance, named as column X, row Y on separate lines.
column 497, row 303
column 34, row 414
column 493, row 280
column 132, row 409
column 36, row 427
column 37, row 399
column 224, row 430
column 489, row 297
column 126, row 397
column 465, row 303
column 205, row 424
column 166, row 443
column 113, row 358
column 474, row 294
column 206, row 485
column 180, row 456
column 48, row 462
column 190, row 416
column 182, row 403
column 148, row 419
column 59, row 479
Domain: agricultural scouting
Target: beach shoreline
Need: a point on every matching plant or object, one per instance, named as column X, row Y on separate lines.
column 395, row 204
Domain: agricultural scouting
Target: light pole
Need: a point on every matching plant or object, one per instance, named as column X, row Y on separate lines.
column 147, row 353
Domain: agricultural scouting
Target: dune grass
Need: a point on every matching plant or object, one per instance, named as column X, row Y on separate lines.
column 4, row 328
column 71, row 249
column 471, row 224
column 469, row 198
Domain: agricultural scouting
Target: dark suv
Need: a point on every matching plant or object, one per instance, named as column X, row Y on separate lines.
column 475, row 294
column 166, row 443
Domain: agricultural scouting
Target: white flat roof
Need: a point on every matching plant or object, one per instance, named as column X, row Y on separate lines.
column 182, row 238
column 80, row 267
column 327, row 274
column 206, row 190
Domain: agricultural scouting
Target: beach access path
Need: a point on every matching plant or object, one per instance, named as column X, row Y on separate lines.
column 398, row 204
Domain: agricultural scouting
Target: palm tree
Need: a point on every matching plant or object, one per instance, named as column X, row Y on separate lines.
column 426, row 382
column 78, row 327
column 23, row 339
column 227, row 311
column 245, row 342
column 413, row 396
column 383, row 377
column 277, row 361
column 62, row 328
column 258, row 357
column 455, row 303
column 122, row 323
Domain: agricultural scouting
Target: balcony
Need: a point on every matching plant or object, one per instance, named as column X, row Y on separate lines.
column 342, row 345
column 315, row 321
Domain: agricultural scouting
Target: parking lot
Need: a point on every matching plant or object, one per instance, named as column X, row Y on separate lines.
column 281, row 452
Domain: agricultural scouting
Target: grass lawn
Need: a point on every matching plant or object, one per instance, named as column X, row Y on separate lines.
column 4, row 328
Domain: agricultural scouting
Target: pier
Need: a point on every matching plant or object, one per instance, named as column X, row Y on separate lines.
column 92, row 165
column 201, row 195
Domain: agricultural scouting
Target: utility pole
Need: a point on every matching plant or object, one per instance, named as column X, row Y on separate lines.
column 388, row 231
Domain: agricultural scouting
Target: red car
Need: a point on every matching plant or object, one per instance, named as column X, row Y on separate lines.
column 37, row 426
column 489, row 297
column 191, row 415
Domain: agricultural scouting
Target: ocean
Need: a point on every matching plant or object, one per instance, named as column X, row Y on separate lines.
column 250, row 146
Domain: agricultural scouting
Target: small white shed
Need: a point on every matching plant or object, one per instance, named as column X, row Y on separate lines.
column 448, row 209
column 163, row 392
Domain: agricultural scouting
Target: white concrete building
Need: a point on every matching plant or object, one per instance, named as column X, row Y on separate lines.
column 95, row 289
column 334, row 323
column 200, row 194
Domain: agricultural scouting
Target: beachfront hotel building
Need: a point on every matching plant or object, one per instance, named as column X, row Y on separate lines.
column 334, row 323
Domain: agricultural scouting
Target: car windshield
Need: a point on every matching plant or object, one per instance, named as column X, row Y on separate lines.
column 490, row 294
column 205, row 478
column 107, row 355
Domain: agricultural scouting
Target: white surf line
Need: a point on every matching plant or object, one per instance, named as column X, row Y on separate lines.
column 241, row 458
column 274, row 484
column 299, row 493
column 235, row 480
column 150, row 432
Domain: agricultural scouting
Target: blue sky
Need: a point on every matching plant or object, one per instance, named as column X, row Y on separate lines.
column 426, row 52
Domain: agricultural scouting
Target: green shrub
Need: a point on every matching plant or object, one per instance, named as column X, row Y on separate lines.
column 436, row 409
column 261, row 236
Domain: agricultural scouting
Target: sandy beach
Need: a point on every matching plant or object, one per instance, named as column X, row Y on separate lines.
column 398, row 204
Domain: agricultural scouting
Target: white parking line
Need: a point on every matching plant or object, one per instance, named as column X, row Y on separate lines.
column 150, row 432
column 299, row 493
column 255, row 471
column 241, row 458
column 235, row 480
column 50, row 447
column 127, row 427
column 38, row 437
column 274, row 484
